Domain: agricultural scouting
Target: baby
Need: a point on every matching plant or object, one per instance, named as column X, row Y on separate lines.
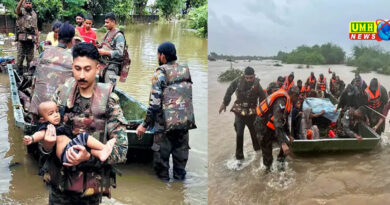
column 49, row 112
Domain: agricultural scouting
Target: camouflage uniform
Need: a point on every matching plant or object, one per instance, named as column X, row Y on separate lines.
column 338, row 88
column 26, row 25
column 269, row 136
column 167, row 142
column 248, row 96
column 88, row 115
column 349, row 125
column 115, row 41
column 351, row 97
column 53, row 68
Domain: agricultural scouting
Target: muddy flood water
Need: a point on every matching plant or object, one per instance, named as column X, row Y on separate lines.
column 323, row 179
column 19, row 182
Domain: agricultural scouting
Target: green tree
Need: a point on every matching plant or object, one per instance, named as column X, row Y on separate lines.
column 139, row 6
column 48, row 10
column 169, row 8
column 97, row 7
column 333, row 54
column 198, row 20
column 370, row 58
column 72, row 7
column 314, row 58
column 122, row 9
column 193, row 4
column 10, row 6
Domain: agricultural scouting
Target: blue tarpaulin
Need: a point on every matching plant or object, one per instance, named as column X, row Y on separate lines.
column 319, row 104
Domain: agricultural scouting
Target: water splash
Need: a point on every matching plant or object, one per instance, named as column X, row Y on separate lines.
column 281, row 180
column 281, row 176
column 236, row 165
column 384, row 139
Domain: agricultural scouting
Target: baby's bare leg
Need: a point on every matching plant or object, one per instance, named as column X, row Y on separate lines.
column 95, row 144
column 103, row 153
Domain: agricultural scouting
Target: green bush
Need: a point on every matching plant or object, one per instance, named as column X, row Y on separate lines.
column 122, row 9
column 198, row 20
column 315, row 55
column 230, row 74
column 370, row 58
column 103, row 29
column 168, row 8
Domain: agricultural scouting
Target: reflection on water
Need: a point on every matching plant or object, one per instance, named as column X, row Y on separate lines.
column 338, row 178
column 138, row 184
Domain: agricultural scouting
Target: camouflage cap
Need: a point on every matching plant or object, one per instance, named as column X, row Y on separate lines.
column 27, row 1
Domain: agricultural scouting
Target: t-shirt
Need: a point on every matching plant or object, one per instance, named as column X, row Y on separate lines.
column 50, row 37
column 60, row 129
column 88, row 36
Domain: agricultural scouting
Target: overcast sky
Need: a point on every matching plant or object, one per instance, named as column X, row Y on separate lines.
column 264, row 27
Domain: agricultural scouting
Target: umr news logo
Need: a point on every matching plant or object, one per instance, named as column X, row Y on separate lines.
column 369, row 30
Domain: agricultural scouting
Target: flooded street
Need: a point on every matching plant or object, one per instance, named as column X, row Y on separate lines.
column 337, row 178
column 20, row 183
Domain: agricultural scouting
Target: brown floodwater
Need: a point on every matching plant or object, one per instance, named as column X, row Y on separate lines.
column 338, row 178
column 20, row 184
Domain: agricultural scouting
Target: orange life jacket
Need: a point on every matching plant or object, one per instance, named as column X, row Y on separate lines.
column 311, row 81
column 374, row 100
column 266, row 105
column 287, row 85
column 332, row 81
column 322, row 84
column 303, row 89
column 307, row 89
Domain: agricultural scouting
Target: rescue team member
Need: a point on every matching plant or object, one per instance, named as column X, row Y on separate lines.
column 113, row 50
column 311, row 81
column 377, row 99
column 332, row 83
column 321, row 84
column 289, row 82
column 170, row 113
column 350, row 122
column 272, row 123
column 384, row 113
column 27, row 34
column 92, row 108
column 249, row 92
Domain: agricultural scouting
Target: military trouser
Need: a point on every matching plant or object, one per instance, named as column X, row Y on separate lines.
column 25, row 51
column 268, row 137
column 111, row 73
column 239, row 125
column 56, row 197
column 174, row 142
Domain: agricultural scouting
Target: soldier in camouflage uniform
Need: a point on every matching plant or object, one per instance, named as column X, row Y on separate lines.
column 89, row 107
column 112, row 49
column 249, row 92
column 170, row 114
column 338, row 87
column 272, row 123
column 26, row 33
column 53, row 68
column 351, row 120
